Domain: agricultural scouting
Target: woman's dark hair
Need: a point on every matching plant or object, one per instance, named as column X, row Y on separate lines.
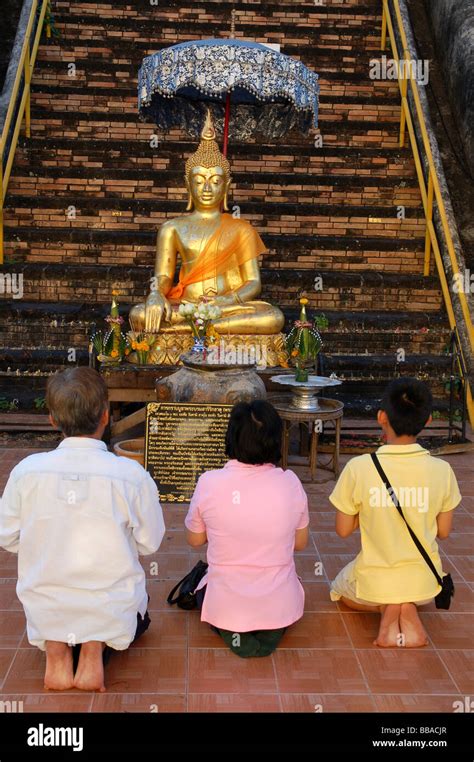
column 254, row 433
column 408, row 404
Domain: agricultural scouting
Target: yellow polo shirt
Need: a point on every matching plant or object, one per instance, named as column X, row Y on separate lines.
column 389, row 568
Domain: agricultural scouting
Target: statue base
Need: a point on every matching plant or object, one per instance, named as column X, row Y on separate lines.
column 263, row 351
column 198, row 382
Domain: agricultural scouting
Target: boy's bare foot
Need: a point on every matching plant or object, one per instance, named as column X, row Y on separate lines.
column 414, row 634
column 90, row 670
column 389, row 630
column 59, row 675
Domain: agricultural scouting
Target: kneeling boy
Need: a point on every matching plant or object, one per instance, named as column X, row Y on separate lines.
column 389, row 574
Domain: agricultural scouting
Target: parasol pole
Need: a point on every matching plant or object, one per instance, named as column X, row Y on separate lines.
column 227, row 100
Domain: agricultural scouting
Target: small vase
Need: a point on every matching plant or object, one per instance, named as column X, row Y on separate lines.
column 301, row 374
column 199, row 345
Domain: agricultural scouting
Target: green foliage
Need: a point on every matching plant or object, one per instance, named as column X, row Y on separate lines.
column 49, row 21
column 8, row 404
column 321, row 322
column 40, row 403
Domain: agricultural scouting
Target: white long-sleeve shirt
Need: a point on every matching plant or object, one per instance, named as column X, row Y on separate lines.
column 79, row 517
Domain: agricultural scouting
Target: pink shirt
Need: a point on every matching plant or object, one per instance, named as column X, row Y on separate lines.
column 250, row 514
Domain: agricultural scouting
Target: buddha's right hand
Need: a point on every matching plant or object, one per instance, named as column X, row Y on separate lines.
column 156, row 306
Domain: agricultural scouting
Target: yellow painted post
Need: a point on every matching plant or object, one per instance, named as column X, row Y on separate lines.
column 404, row 65
column 27, row 89
column 429, row 218
column 383, row 43
column 1, row 206
column 48, row 15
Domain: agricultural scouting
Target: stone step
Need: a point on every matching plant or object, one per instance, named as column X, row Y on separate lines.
column 348, row 74
column 162, row 182
column 330, row 33
column 43, row 153
column 270, row 217
column 114, row 126
column 172, row 198
column 283, row 9
column 374, row 367
column 67, row 326
column 261, row 170
column 348, row 367
column 51, row 70
column 332, row 195
column 84, row 311
column 332, row 53
column 153, row 27
column 93, row 100
column 107, row 247
column 326, row 289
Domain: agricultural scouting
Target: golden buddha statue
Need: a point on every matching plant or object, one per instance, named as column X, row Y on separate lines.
column 219, row 261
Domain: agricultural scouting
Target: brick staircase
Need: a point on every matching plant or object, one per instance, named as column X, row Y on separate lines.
column 325, row 212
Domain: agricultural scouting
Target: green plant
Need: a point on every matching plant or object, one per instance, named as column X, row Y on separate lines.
column 40, row 403
column 12, row 259
column 321, row 322
column 8, row 404
column 49, row 22
column 457, row 385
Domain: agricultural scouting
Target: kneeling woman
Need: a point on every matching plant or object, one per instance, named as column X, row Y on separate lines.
column 253, row 515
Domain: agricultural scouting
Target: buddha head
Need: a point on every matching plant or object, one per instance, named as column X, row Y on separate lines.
column 207, row 173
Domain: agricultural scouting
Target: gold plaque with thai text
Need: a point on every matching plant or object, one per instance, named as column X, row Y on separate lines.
column 182, row 441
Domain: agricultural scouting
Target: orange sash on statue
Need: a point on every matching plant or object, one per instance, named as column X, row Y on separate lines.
column 217, row 257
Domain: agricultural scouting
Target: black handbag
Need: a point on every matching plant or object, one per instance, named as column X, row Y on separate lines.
column 186, row 598
column 443, row 599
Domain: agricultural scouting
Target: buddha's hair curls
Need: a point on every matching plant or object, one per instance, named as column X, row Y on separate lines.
column 208, row 153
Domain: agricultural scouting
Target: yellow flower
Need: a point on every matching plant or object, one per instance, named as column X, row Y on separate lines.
column 294, row 353
column 303, row 300
column 114, row 353
column 115, row 293
column 134, row 344
column 145, row 346
column 127, row 351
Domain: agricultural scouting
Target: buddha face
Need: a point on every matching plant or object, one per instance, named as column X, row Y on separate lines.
column 207, row 187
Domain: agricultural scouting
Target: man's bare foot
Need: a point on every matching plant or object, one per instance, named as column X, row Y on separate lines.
column 389, row 630
column 90, row 670
column 414, row 634
column 59, row 675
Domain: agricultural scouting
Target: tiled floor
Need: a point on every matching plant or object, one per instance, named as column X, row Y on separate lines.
column 326, row 662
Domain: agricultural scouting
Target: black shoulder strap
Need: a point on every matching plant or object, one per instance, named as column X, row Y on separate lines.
column 394, row 498
column 170, row 596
